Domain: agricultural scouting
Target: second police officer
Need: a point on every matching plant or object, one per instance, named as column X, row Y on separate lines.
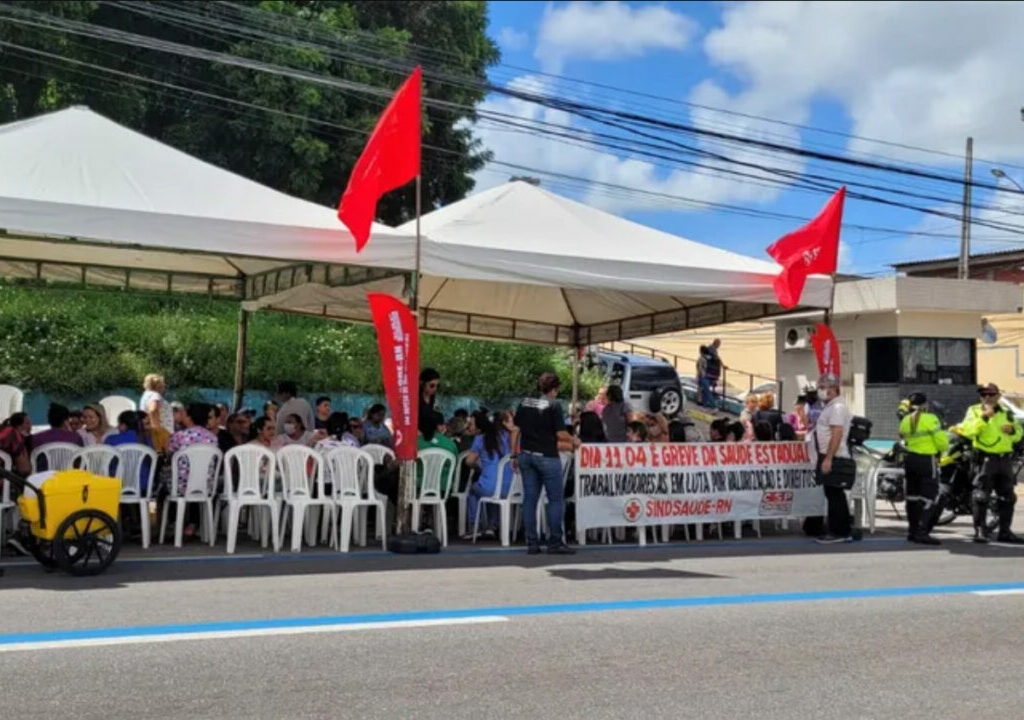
column 924, row 440
column 994, row 432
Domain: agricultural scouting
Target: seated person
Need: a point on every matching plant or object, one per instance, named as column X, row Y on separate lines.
column 636, row 432
column 375, row 430
column 295, row 432
column 127, row 430
column 60, row 432
column 489, row 447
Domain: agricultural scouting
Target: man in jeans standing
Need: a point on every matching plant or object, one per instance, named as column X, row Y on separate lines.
column 539, row 427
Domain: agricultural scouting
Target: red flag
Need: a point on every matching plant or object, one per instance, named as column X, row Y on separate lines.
column 811, row 250
column 398, row 344
column 390, row 159
column 826, row 349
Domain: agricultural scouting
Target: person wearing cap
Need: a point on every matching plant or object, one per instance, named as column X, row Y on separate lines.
column 830, row 435
column 924, row 440
column 994, row 432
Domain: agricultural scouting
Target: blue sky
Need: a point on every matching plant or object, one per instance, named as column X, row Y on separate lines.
column 916, row 74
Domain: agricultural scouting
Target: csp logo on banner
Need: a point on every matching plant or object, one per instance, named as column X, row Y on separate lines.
column 633, row 509
column 776, row 502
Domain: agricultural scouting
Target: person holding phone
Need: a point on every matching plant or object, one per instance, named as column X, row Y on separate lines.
column 994, row 431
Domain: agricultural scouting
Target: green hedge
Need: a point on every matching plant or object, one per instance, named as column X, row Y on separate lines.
column 68, row 341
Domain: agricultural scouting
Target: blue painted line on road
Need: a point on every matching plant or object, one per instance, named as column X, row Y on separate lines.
column 285, row 556
column 507, row 611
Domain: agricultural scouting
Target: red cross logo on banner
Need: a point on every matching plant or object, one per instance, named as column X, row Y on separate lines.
column 633, row 509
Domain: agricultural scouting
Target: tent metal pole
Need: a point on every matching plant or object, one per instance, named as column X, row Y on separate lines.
column 240, row 353
column 575, row 381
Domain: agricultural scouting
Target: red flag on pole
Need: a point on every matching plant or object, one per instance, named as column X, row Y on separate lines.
column 390, row 159
column 826, row 350
column 398, row 344
column 811, row 250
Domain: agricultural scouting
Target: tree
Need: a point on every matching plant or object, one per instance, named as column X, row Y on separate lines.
column 307, row 152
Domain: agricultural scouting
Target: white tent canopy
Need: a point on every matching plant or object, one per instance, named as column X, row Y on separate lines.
column 520, row 263
column 83, row 199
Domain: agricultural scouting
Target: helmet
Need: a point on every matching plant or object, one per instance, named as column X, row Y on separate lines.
column 917, row 399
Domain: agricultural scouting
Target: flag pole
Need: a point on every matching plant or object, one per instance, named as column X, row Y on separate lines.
column 407, row 471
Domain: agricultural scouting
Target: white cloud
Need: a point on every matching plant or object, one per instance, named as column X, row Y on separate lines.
column 608, row 31
column 571, row 156
column 511, row 39
column 924, row 74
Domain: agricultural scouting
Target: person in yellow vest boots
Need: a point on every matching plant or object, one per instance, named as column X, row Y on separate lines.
column 994, row 432
column 924, row 440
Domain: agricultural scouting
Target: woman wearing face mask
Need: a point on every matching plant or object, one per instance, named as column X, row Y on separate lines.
column 96, row 428
column 295, row 433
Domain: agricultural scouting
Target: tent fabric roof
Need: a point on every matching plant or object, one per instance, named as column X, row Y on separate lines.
column 517, row 262
column 83, row 198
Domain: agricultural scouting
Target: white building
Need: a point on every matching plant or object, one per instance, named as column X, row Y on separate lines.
column 897, row 335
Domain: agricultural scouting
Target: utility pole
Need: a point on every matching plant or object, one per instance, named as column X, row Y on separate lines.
column 965, row 230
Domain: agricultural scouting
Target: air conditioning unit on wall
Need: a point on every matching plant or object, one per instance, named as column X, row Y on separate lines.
column 798, row 338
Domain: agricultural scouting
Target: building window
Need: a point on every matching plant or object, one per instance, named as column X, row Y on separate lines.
column 920, row 361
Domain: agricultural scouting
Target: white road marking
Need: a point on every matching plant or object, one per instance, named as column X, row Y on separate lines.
column 253, row 632
column 1008, row 591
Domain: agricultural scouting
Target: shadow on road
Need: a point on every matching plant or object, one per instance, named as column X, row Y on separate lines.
column 163, row 564
column 609, row 573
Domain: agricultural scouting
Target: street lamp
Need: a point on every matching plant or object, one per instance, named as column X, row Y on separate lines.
column 1003, row 176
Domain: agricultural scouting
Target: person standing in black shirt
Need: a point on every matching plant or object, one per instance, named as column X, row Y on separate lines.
column 539, row 427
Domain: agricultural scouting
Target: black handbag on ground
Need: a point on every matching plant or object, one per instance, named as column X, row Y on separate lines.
column 844, row 470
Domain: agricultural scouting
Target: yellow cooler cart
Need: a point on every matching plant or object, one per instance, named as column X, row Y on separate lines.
column 70, row 519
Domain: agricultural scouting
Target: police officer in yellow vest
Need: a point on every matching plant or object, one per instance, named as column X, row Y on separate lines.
column 994, row 432
column 924, row 440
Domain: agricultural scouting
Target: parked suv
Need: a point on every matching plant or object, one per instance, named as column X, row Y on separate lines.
column 650, row 385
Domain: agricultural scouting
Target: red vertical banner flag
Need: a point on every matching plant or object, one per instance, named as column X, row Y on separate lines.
column 811, row 250
column 826, row 350
column 398, row 344
column 390, row 159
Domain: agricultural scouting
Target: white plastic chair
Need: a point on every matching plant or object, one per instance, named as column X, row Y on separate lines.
column 7, row 506
column 381, row 456
column 864, row 493
column 462, row 496
column 505, row 504
column 114, row 405
column 352, row 477
column 302, row 477
column 436, row 463
column 11, row 400
column 58, row 456
column 133, row 473
column 252, row 487
column 97, row 459
column 203, row 463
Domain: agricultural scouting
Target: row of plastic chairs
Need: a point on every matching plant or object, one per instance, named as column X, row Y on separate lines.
column 12, row 400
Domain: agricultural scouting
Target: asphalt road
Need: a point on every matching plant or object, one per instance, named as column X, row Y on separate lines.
column 777, row 628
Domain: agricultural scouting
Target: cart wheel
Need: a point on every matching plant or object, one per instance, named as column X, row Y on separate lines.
column 87, row 542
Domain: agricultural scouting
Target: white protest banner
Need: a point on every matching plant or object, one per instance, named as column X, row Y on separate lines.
column 680, row 484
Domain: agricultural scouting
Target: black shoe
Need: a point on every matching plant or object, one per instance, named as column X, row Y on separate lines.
column 981, row 536
column 1010, row 538
column 533, row 550
column 925, row 540
column 562, row 549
